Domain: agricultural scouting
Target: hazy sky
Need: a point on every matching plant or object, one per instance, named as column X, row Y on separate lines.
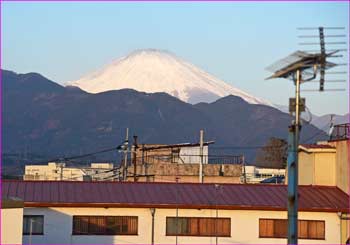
column 233, row 41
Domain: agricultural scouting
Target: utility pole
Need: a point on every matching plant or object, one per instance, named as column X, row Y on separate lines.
column 126, row 149
column 61, row 166
column 292, row 163
column 244, row 172
column 134, row 156
column 201, row 136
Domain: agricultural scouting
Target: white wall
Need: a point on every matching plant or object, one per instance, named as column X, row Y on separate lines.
column 192, row 154
column 244, row 226
column 11, row 225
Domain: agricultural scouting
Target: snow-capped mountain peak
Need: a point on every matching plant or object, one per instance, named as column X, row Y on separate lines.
column 152, row 70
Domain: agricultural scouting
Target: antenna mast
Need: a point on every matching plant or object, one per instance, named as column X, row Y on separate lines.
column 301, row 67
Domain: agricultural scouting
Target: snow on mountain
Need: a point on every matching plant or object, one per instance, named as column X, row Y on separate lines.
column 152, row 70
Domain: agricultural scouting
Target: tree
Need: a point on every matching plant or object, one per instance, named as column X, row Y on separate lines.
column 273, row 154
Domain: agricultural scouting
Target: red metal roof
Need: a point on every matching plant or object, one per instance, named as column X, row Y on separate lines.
column 171, row 195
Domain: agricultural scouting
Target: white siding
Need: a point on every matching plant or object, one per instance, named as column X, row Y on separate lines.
column 244, row 226
column 192, row 154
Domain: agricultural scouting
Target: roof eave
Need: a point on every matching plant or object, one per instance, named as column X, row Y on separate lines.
column 181, row 206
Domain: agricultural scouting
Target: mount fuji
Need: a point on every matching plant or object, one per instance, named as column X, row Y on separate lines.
column 152, row 70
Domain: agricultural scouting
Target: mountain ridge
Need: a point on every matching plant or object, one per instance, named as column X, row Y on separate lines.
column 66, row 121
column 152, row 70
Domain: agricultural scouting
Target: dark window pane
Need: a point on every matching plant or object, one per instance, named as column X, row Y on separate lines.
column 278, row 228
column 105, row 225
column 191, row 226
column 33, row 224
column 303, row 229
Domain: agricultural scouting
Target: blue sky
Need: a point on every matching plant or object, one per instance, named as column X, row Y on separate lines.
column 231, row 40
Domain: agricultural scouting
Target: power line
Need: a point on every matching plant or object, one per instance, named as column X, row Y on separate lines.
column 79, row 156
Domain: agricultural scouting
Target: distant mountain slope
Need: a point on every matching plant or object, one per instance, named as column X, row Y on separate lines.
column 55, row 121
column 153, row 70
column 321, row 122
column 324, row 122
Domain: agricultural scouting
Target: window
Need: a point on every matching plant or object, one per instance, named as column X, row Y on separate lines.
column 175, row 155
column 191, row 226
column 105, row 225
column 33, row 225
column 278, row 228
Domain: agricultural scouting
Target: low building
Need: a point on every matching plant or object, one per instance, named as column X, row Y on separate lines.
column 327, row 162
column 59, row 171
column 317, row 164
column 11, row 220
column 175, row 213
column 181, row 163
column 185, row 153
column 185, row 173
column 253, row 174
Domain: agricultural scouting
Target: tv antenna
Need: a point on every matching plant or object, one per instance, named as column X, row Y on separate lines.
column 302, row 67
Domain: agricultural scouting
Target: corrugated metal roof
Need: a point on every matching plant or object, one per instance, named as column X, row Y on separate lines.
column 170, row 195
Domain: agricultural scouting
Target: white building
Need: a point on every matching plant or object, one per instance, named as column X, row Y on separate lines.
column 59, row 171
column 256, row 174
column 170, row 213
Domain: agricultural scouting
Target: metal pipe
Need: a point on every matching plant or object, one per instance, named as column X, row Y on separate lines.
column 201, row 136
column 134, row 157
column 292, row 162
column 126, row 148
column 153, row 212
column 244, row 171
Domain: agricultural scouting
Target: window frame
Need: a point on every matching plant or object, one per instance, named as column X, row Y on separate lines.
column 33, row 233
column 106, row 232
column 308, row 221
column 198, row 234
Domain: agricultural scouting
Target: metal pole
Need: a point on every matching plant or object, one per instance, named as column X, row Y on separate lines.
column 125, row 167
column 292, row 162
column 61, row 169
column 201, row 136
column 177, row 210
column 134, row 156
column 153, row 212
column 30, row 230
column 244, row 172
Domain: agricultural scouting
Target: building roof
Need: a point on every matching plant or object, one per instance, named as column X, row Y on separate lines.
column 11, row 202
column 317, row 148
column 147, row 147
column 172, row 195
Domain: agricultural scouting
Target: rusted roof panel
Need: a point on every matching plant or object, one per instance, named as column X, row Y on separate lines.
column 182, row 195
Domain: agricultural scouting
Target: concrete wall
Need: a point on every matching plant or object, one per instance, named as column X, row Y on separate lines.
column 167, row 172
column 326, row 166
column 343, row 164
column 317, row 168
column 51, row 171
column 192, row 154
column 324, row 169
column 11, row 225
column 306, row 168
column 244, row 226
